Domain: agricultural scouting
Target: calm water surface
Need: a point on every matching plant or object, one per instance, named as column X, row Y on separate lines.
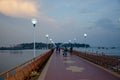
column 12, row 58
column 107, row 51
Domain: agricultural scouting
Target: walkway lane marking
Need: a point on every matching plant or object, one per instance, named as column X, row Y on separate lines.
column 69, row 61
column 72, row 68
column 75, row 69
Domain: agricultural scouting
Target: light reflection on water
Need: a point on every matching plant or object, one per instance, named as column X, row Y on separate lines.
column 12, row 58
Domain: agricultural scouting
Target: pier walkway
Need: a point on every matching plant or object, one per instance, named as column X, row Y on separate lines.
column 72, row 67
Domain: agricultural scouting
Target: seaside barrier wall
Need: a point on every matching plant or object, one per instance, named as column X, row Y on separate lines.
column 23, row 71
column 107, row 61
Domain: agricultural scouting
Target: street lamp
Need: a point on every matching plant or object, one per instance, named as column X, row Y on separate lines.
column 47, row 36
column 75, row 42
column 85, row 35
column 70, row 43
column 50, row 42
column 34, row 21
column 53, row 43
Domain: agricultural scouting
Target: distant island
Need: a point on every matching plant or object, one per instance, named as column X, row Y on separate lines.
column 41, row 45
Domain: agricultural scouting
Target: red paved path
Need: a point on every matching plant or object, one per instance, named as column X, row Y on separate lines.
column 74, row 68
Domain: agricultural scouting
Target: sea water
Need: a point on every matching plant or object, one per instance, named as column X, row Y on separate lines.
column 106, row 51
column 12, row 58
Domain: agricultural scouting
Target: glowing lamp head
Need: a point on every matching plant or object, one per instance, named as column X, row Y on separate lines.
column 85, row 35
column 50, row 39
column 34, row 21
column 70, row 41
column 47, row 35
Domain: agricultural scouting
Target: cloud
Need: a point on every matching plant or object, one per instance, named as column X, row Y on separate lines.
column 107, row 24
column 18, row 8
column 24, row 9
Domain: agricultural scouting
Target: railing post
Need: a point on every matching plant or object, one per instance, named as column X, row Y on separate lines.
column 7, row 74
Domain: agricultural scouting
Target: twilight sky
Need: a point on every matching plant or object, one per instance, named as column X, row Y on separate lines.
column 63, row 20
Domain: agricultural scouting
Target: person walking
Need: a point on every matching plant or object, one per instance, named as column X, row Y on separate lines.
column 65, row 51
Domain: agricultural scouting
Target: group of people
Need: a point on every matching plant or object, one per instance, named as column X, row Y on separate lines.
column 57, row 49
column 64, row 50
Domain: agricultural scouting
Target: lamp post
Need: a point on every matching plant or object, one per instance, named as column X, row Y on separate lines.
column 70, row 43
column 34, row 21
column 47, row 36
column 50, row 42
column 75, row 42
column 85, row 35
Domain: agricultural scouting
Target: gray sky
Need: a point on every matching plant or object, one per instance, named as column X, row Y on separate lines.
column 63, row 20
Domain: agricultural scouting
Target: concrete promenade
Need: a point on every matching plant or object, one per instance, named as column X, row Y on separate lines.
column 72, row 67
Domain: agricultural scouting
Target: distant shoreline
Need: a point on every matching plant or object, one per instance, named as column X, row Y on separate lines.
column 41, row 45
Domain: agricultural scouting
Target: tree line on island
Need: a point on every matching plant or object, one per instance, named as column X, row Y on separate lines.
column 41, row 45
